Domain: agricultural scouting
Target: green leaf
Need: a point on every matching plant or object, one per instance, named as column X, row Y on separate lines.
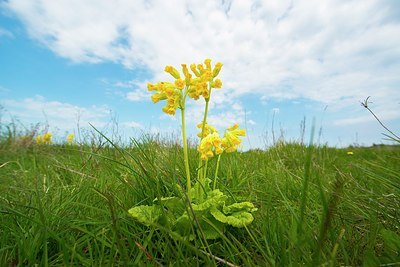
column 236, row 219
column 214, row 198
column 242, row 206
column 183, row 227
column 147, row 215
column 212, row 228
column 174, row 205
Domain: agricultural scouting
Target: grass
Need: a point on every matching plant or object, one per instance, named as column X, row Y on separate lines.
column 317, row 206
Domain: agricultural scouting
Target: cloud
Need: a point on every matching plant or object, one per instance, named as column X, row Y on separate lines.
column 63, row 116
column 137, row 95
column 334, row 52
column 132, row 124
column 6, row 33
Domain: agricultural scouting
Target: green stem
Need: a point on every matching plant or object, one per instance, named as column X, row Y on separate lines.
column 185, row 147
column 205, row 171
column 200, row 170
column 216, row 172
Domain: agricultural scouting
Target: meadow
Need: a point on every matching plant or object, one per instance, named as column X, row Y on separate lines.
column 179, row 202
column 67, row 205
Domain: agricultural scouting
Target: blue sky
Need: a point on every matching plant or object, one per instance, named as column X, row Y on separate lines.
column 68, row 62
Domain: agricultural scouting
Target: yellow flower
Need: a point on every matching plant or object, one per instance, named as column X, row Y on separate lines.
column 47, row 138
column 350, row 153
column 201, row 69
column 158, row 96
column 151, row 87
column 70, row 138
column 180, row 84
column 209, row 145
column 207, row 62
column 216, row 84
column 208, row 129
column 196, row 87
column 231, row 139
column 174, row 72
column 217, row 69
column 39, row 139
column 194, row 70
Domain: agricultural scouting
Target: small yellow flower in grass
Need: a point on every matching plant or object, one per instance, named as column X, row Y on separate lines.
column 47, row 138
column 350, row 153
column 70, row 138
column 39, row 139
column 174, row 72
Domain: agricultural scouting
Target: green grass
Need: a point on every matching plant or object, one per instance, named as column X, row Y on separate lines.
column 67, row 205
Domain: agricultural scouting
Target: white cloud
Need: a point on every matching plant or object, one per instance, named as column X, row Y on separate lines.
column 6, row 33
column 132, row 124
column 251, row 122
column 137, row 95
column 63, row 116
column 334, row 52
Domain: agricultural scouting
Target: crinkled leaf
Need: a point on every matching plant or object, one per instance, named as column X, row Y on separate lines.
column 242, row 206
column 211, row 227
column 214, row 198
column 146, row 215
column 236, row 219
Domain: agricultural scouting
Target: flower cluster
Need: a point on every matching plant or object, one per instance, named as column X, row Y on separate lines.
column 231, row 139
column 44, row 139
column 208, row 129
column 212, row 144
column 200, row 84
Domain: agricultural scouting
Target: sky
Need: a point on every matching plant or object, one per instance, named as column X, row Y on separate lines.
column 67, row 63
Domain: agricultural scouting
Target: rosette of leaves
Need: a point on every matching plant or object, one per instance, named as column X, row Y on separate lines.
column 208, row 210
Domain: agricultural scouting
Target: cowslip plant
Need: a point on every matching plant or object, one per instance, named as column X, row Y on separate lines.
column 201, row 206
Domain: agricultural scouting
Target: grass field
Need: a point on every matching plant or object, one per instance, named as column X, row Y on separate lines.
column 67, row 205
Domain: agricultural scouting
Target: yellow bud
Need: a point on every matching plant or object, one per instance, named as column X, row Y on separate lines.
column 194, row 69
column 200, row 67
column 217, row 69
column 207, row 62
column 158, row 96
column 171, row 70
column 151, row 87
column 234, row 127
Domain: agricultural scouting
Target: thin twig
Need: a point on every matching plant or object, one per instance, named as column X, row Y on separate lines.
column 365, row 105
column 219, row 259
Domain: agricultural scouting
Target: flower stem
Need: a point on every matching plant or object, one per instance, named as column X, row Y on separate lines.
column 216, row 172
column 185, row 146
column 200, row 170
